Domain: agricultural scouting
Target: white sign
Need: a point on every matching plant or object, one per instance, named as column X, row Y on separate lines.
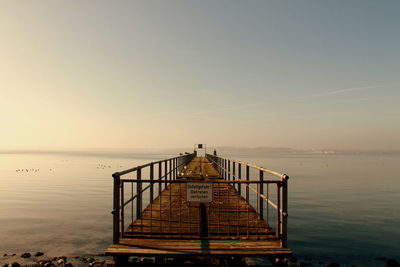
column 199, row 192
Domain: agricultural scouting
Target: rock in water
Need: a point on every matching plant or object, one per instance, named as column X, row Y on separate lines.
column 38, row 254
column 15, row 264
column 26, row 255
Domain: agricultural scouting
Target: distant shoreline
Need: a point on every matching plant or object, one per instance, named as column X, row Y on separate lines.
column 232, row 151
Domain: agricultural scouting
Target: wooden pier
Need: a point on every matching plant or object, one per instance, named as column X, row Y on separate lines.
column 199, row 206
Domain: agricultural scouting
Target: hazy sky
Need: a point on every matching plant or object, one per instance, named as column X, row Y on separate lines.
column 301, row 74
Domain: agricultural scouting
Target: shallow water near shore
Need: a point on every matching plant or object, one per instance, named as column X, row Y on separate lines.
column 342, row 208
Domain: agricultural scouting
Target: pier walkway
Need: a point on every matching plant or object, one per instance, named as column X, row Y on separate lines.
column 199, row 206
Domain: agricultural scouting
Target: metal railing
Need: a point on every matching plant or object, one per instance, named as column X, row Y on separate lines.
column 232, row 170
column 240, row 208
column 167, row 170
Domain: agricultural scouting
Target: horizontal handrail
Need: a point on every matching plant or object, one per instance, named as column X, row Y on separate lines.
column 146, row 165
column 209, row 181
column 280, row 175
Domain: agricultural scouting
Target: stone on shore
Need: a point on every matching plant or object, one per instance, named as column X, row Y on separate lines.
column 26, row 255
column 38, row 254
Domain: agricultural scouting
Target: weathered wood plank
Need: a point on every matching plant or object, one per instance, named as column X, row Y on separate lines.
column 156, row 247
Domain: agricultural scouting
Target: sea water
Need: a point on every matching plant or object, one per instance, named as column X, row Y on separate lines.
column 342, row 208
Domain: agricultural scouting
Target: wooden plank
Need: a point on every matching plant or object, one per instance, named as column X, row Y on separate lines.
column 157, row 247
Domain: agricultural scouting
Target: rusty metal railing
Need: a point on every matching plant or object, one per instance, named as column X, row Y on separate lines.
column 167, row 169
column 236, row 211
column 232, row 170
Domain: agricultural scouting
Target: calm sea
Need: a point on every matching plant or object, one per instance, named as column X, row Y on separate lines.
column 341, row 208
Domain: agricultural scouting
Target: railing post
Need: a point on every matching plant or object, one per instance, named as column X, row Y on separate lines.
column 260, row 199
column 221, row 170
column 170, row 169
column 122, row 218
column 117, row 181
column 225, row 169
column 247, row 185
column 139, row 194
column 159, row 177
column 229, row 169
column 239, row 178
column 175, row 166
column 151, row 183
column 233, row 173
column 165, row 173
column 278, row 210
column 284, row 209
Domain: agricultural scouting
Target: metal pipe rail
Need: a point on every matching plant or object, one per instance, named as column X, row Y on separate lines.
column 168, row 169
column 231, row 170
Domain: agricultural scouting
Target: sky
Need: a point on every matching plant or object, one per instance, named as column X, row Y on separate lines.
column 165, row 74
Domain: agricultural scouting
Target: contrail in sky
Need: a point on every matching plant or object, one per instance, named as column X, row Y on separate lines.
column 204, row 112
column 346, row 90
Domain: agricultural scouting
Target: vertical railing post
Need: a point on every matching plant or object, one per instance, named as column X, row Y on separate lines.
column 139, row 194
column 284, row 209
column 122, row 219
column 260, row 199
column 225, row 169
column 169, row 170
column 175, row 167
column 159, row 177
column 234, row 173
column 247, row 185
column 221, row 167
column 239, row 178
column 165, row 173
column 116, row 212
column 151, row 182
column 278, row 210
column 229, row 169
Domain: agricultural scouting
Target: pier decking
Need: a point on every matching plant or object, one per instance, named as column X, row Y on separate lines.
column 172, row 225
